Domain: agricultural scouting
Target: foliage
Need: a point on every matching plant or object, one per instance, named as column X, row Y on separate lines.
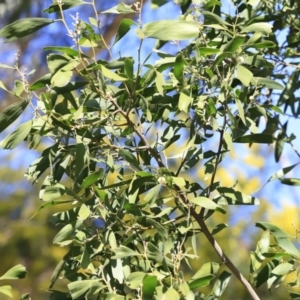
column 133, row 218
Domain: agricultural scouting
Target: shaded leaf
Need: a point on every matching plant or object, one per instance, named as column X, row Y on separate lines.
column 16, row 137
column 23, row 27
column 259, row 138
column 11, row 113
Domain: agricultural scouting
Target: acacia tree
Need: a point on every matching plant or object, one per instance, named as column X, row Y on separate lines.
column 133, row 219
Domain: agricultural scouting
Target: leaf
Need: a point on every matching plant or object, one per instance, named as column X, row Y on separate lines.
column 290, row 181
column 85, row 288
column 205, row 51
column 279, row 144
column 212, row 19
column 23, row 27
column 282, row 172
column 92, row 178
column 221, row 284
column 203, row 281
column 11, row 113
column 204, row 202
column 16, row 272
column 185, row 102
column 265, row 28
column 135, row 279
column 121, row 8
column 61, row 78
column 152, row 194
column 281, row 238
column 244, row 75
column 84, row 212
column 234, row 44
column 271, row 84
column 231, row 197
column 171, row 293
column 169, row 30
column 260, row 138
column 6, row 290
column 207, row 269
column 129, row 157
column 124, row 251
column 124, row 27
column 149, row 285
column 218, row 228
column 66, row 231
column 66, row 4
column 111, row 75
column 16, row 137
column 179, row 67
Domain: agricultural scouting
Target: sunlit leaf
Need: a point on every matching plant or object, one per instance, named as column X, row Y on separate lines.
column 16, row 272
column 168, row 30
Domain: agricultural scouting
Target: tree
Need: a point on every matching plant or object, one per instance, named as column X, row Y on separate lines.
column 127, row 136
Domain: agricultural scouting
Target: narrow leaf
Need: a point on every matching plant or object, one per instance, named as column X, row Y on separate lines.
column 23, row 27
column 11, row 113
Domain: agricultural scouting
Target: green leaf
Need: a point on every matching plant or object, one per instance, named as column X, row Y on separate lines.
column 271, row 84
column 135, row 279
column 244, row 75
column 111, row 75
column 152, row 194
column 149, row 285
column 92, row 178
column 67, row 231
column 234, row 44
column 204, row 202
column 84, row 212
column 66, row 4
column 179, row 67
column 221, row 284
column 205, row 51
column 23, row 27
column 283, row 269
column 260, row 138
column 124, row 251
column 231, row 197
column 171, row 293
column 185, row 102
column 124, row 27
column 129, row 157
column 6, row 290
column 213, row 19
column 16, row 272
column 85, row 288
column 61, row 78
column 121, row 8
column 207, row 269
column 279, row 144
column 11, row 113
column 282, row 172
column 290, row 181
column 265, row 28
column 169, row 30
column 16, row 137
column 203, row 281
column 281, row 238
column 218, row 228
